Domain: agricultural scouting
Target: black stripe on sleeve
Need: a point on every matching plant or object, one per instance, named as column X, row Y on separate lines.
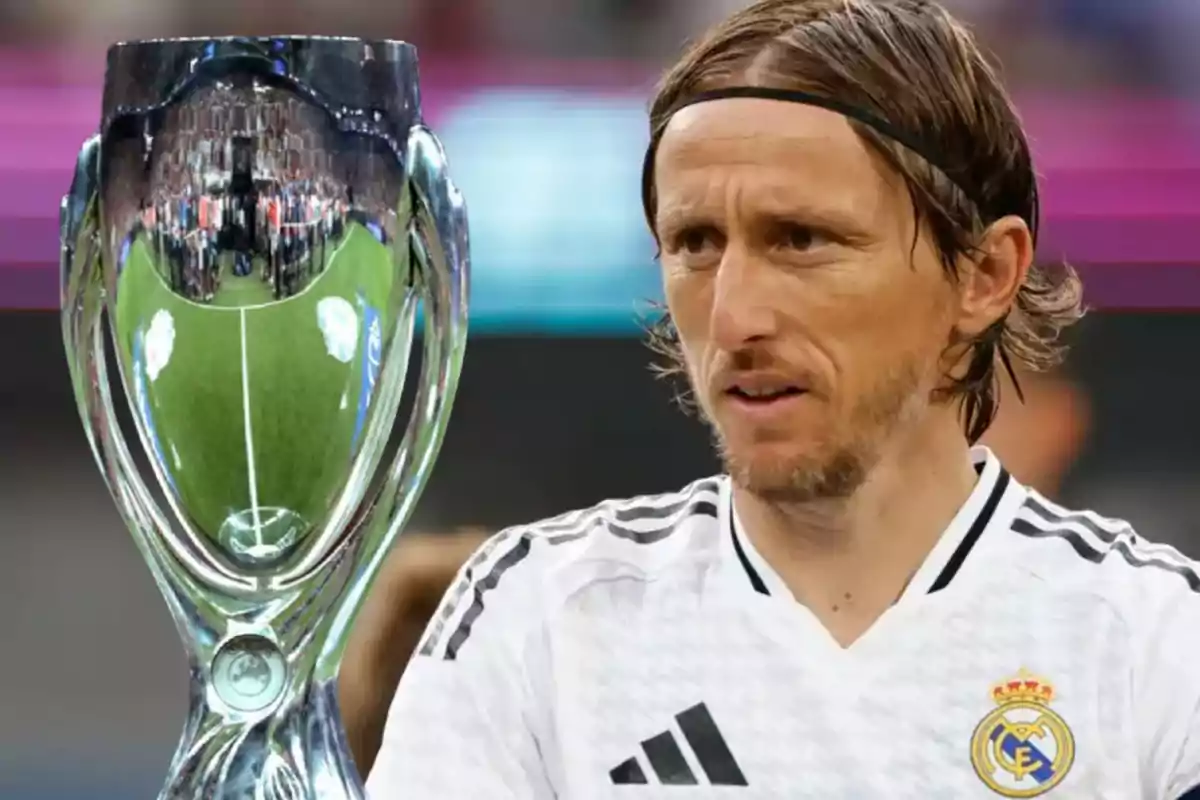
column 663, row 512
column 1095, row 555
column 1191, row 794
column 462, row 587
column 479, row 589
column 1043, row 511
column 634, row 509
column 698, row 508
column 519, row 552
column 599, row 518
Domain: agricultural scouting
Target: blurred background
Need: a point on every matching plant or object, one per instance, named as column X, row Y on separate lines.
column 540, row 104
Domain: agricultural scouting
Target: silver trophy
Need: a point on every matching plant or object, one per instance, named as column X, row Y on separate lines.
column 256, row 226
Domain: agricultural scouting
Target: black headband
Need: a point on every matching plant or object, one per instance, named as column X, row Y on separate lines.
column 915, row 144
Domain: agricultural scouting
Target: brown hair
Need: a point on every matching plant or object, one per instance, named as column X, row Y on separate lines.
column 910, row 64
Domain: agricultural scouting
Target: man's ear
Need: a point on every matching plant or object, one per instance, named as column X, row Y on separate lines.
column 990, row 279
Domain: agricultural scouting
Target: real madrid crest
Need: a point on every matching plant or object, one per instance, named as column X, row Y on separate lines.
column 1023, row 748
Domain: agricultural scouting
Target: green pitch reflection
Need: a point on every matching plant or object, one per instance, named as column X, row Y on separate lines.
column 256, row 405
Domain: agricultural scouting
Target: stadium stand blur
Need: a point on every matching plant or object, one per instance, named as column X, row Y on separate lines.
column 91, row 673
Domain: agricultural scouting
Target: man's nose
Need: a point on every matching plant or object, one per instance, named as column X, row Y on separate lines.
column 743, row 310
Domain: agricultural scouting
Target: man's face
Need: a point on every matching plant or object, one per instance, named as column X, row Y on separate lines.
column 812, row 330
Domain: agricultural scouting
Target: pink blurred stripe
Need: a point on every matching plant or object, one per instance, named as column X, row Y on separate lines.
column 1121, row 171
column 1111, row 132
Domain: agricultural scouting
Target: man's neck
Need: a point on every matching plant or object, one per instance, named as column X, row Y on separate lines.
column 849, row 560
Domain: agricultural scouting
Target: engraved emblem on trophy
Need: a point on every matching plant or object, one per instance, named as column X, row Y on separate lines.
column 248, row 247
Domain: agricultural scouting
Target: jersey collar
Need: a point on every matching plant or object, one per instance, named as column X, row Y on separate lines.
column 984, row 508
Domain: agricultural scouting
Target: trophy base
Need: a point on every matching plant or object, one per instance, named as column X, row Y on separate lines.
column 296, row 752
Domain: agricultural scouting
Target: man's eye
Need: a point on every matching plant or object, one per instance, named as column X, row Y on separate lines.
column 801, row 237
column 693, row 241
column 696, row 240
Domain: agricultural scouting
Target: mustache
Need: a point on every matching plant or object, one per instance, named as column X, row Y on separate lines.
column 727, row 368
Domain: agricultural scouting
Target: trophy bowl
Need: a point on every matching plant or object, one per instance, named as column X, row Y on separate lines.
column 249, row 238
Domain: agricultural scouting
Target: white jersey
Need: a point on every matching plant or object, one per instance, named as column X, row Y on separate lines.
column 642, row 649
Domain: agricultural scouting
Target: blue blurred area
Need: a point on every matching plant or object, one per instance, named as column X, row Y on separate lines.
column 549, row 159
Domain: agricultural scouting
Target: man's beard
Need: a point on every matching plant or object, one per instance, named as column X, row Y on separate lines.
column 832, row 469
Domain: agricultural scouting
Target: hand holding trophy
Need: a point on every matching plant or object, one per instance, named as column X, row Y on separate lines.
column 256, row 224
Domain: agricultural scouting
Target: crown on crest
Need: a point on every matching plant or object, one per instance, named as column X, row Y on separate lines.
column 1025, row 688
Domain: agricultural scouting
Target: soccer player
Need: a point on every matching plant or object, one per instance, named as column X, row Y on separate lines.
column 864, row 605
column 1038, row 440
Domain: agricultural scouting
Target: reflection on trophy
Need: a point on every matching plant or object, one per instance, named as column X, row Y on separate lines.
column 258, row 222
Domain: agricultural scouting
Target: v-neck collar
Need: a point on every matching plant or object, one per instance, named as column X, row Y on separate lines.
column 936, row 572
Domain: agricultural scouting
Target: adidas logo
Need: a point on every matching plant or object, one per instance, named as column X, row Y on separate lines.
column 671, row 767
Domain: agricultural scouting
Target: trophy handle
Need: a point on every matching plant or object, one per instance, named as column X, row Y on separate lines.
column 81, row 291
column 83, row 306
column 440, row 244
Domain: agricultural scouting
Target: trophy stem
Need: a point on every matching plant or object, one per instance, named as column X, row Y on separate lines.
column 296, row 752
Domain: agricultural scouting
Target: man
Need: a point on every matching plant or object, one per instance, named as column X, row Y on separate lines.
column 863, row 606
column 1038, row 441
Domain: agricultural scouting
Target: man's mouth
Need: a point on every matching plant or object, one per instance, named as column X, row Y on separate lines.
column 763, row 395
